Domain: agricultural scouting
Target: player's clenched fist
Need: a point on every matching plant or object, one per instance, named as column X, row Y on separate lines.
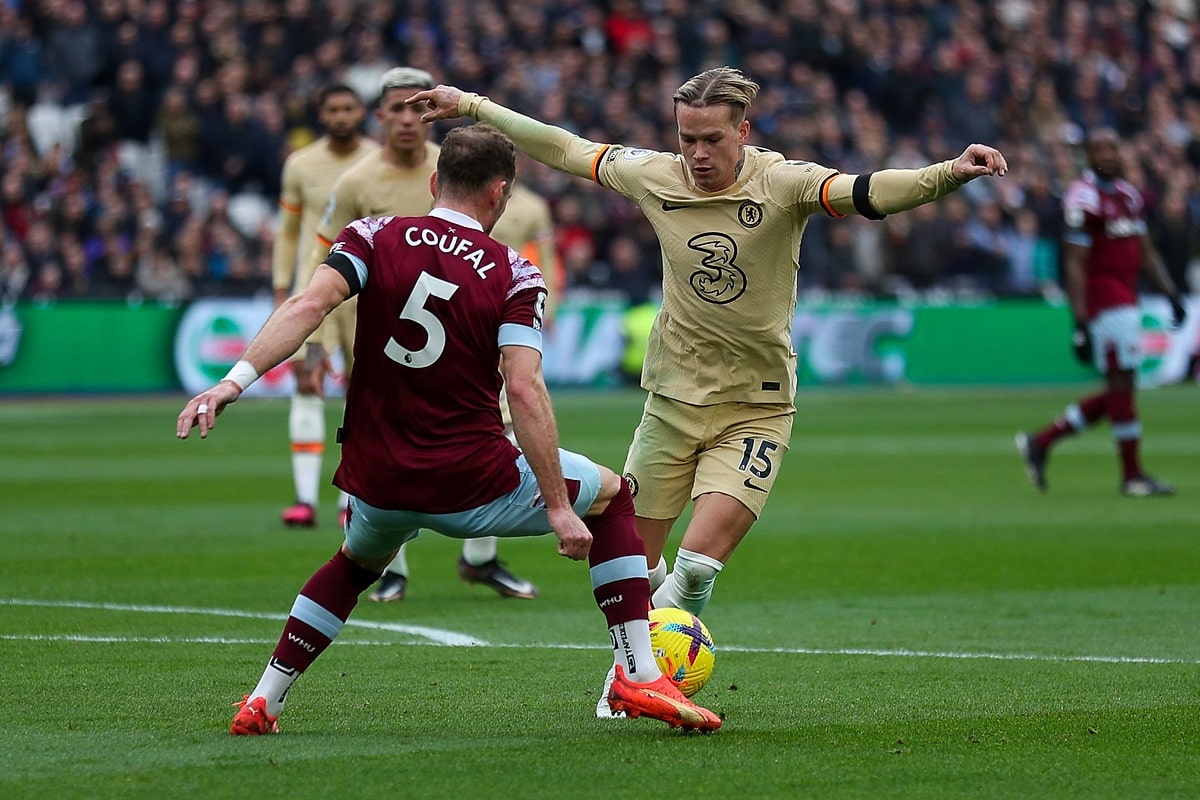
column 978, row 160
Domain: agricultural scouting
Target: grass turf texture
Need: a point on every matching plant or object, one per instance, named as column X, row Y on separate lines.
column 908, row 619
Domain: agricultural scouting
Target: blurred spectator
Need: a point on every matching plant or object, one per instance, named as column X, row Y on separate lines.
column 159, row 277
column 235, row 148
column 1025, row 274
column 131, row 104
column 40, row 247
column 1174, row 234
column 14, row 271
column 77, row 277
column 370, row 62
column 114, row 267
column 21, row 57
column 918, row 248
column 118, row 117
column 635, row 272
column 97, row 133
column 74, row 48
column 180, row 129
column 988, row 240
column 48, row 283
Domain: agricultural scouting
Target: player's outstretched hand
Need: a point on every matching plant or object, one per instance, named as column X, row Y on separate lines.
column 202, row 410
column 574, row 539
column 440, row 102
column 978, row 160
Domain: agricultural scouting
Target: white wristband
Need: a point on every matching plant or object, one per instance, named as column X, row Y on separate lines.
column 243, row 374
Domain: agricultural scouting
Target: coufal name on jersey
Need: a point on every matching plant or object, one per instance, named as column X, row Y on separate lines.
column 452, row 244
column 1123, row 227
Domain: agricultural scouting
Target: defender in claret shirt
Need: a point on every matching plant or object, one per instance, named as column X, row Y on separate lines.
column 440, row 304
column 1106, row 245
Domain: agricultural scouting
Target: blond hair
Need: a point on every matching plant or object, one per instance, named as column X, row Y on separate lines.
column 721, row 86
column 404, row 78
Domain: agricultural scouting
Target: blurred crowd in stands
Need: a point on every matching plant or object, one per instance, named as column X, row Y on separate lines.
column 143, row 139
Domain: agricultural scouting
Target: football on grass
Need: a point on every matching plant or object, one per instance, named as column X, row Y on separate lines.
column 683, row 648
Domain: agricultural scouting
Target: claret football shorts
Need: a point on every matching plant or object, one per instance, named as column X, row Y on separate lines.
column 681, row 451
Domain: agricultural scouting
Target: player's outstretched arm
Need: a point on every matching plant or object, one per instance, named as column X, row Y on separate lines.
column 281, row 335
column 537, row 435
column 875, row 195
column 553, row 146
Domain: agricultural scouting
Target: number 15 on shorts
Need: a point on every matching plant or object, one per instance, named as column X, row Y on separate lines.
column 756, row 460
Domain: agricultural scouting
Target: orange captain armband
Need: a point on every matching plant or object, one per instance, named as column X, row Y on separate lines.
column 824, row 197
column 596, row 162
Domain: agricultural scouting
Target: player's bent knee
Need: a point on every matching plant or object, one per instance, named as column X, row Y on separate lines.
column 610, row 485
column 697, row 572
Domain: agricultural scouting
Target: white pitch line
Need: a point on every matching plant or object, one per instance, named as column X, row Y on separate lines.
column 434, row 635
column 904, row 653
column 444, row 638
column 75, row 637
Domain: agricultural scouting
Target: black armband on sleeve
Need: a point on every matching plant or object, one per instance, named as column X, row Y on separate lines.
column 862, row 197
column 345, row 267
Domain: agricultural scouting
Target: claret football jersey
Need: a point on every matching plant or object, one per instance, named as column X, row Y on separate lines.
column 1106, row 217
column 437, row 298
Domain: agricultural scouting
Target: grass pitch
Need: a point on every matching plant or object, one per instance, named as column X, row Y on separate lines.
column 908, row 619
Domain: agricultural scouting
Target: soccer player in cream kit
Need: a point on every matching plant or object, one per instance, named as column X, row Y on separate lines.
column 308, row 176
column 719, row 370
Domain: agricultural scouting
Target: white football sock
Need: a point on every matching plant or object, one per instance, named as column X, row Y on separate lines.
column 479, row 551
column 274, row 684
column 690, row 584
column 658, row 575
column 399, row 564
column 631, row 649
column 306, row 428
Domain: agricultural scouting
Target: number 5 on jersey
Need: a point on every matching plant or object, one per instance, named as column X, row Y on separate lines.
column 415, row 311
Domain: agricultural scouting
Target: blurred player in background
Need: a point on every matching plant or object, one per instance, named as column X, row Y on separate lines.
column 308, row 177
column 1106, row 245
column 528, row 227
column 720, row 370
column 394, row 181
column 423, row 441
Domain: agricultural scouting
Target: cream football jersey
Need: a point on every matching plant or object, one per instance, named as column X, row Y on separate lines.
column 525, row 220
column 308, row 178
column 730, row 261
column 374, row 188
